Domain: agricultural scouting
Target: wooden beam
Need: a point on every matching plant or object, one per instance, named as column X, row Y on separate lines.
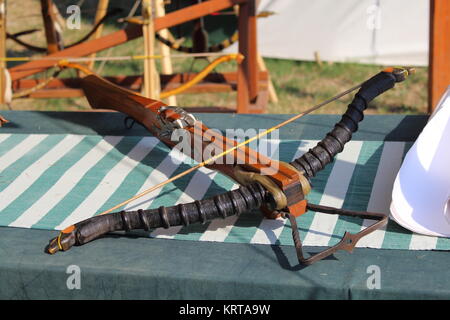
column 205, row 87
column 70, row 87
column 57, row 93
column 273, row 97
column 102, row 9
column 166, row 62
column 2, row 51
column 3, row 98
column 194, row 12
column 148, row 31
column 439, row 53
column 122, row 36
column 53, row 37
column 83, row 49
column 242, row 101
column 248, row 69
column 135, row 82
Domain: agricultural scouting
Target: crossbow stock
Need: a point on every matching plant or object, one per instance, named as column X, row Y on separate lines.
column 277, row 193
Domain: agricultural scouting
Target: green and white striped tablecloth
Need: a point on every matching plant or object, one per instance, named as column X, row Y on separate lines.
column 49, row 181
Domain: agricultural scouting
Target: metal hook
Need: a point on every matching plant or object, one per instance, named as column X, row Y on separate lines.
column 347, row 242
column 127, row 124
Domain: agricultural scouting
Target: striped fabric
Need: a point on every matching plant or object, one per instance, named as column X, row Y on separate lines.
column 52, row 181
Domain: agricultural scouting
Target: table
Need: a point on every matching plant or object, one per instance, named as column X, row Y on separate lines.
column 121, row 267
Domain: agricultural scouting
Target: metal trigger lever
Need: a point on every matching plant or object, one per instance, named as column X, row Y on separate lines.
column 348, row 241
column 128, row 122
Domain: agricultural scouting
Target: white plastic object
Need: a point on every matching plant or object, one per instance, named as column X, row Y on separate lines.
column 421, row 192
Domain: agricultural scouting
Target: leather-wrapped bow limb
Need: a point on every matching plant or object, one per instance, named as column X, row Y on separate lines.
column 280, row 193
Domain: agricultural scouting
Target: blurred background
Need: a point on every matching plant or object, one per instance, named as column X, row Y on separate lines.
column 312, row 49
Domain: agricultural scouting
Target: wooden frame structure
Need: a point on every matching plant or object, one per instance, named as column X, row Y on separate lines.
column 439, row 54
column 250, row 83
column 2, row 52
column 51, row 34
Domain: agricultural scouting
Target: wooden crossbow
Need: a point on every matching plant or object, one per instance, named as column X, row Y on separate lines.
column 279, row 192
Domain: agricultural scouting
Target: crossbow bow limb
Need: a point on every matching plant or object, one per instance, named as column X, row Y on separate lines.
column 277, row 193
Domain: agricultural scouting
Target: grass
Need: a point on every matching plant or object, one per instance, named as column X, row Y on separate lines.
column 299, row 84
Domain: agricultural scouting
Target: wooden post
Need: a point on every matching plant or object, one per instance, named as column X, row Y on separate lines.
column 248, row 69
column 57, row 15
column 102, row 8
column 2, row 50
column 272, row 93
column 2, row 55
column 166, row 62
column 150, row 89
column 439, row 53
column 54, row 43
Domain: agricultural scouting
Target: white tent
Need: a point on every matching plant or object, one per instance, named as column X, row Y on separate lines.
column 386, row 32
